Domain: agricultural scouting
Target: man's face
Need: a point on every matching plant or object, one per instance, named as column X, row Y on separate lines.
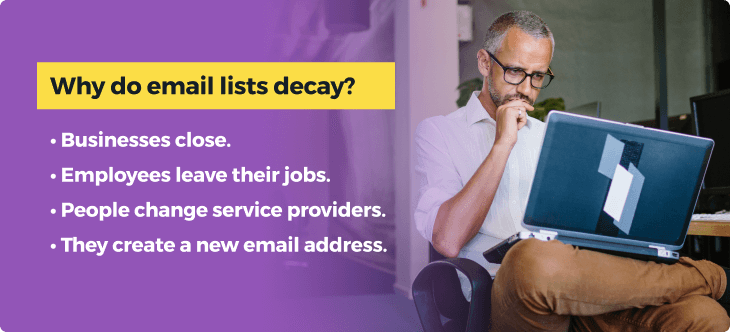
column 519, row 50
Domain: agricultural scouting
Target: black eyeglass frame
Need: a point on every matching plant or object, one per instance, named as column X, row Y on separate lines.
column 504, row 75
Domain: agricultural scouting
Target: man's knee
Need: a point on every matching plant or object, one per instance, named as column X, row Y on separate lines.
column 533, row 265
column 700, row 313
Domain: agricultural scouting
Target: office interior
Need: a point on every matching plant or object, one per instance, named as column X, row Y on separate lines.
column 630, row 61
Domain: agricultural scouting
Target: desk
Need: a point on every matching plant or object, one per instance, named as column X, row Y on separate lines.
column 710, row 228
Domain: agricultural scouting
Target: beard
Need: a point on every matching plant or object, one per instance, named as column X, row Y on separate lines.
column 500, row 100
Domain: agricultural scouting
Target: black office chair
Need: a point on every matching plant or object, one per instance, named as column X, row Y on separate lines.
column 439, row 300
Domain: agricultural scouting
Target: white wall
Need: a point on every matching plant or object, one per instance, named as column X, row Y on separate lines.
column 427, row 73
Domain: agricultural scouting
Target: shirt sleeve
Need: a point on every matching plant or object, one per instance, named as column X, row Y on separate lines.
column 438, row 178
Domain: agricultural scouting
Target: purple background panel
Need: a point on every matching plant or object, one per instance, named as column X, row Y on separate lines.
column 44, row 289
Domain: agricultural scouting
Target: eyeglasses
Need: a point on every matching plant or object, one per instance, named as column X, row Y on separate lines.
column 516, row 76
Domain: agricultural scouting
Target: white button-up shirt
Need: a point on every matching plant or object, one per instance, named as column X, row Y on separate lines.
column 449, row 150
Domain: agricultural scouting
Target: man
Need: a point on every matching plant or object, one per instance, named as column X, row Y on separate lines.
column 476, row 167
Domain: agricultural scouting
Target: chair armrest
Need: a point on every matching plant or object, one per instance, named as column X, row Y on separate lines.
column 437, row 292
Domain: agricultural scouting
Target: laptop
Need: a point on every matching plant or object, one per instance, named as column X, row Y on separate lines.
column 613, row 187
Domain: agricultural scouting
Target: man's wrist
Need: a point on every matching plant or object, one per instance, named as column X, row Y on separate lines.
column 501, row 146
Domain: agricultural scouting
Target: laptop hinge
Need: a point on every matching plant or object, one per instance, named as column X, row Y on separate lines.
column 661, row 251
column 542, row 231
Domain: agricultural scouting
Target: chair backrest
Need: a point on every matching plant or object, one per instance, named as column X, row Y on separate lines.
column 440, row 303
column 434, row 255
column 448, row 286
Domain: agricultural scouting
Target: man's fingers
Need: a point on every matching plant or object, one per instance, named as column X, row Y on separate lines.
column 521, row 120
column 516, row 110
column 519, row 103
column 515, row 102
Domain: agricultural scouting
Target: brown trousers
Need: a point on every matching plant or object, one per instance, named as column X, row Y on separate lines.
column 551, row 286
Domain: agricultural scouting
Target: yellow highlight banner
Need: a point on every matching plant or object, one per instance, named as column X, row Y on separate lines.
column 215, row 85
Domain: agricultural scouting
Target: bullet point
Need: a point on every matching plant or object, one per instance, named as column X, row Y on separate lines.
column 53, row 176
column 53, row 211
column 53, row 246
column 53, row 141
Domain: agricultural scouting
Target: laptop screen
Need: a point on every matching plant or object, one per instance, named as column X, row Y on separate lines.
column 614, row 180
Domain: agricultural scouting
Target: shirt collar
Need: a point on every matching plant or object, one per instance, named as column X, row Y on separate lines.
column 475, row 112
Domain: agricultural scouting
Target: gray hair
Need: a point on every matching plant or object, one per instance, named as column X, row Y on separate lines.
column 527, row 21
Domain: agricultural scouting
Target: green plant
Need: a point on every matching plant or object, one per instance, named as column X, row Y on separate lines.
column 466, row 88
column 541, row 109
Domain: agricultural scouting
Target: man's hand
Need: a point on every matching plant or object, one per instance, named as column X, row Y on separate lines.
column 511, row 117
